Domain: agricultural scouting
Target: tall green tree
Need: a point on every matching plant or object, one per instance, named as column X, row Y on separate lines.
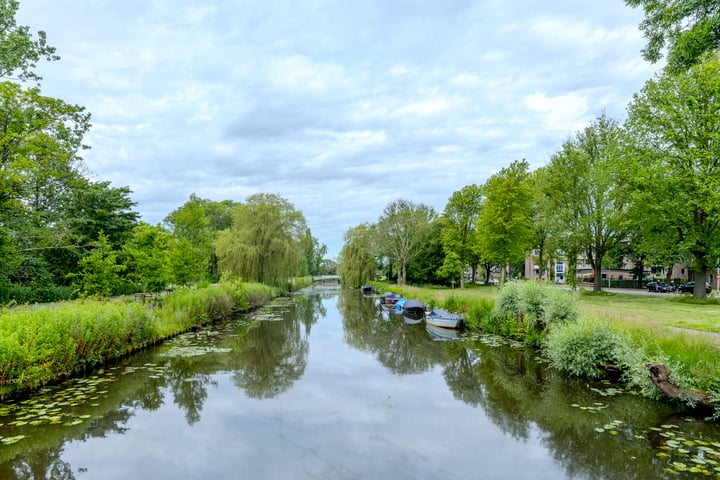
column 688, row 29
column 265, row 242
column 504, row 228
column 461, row 216
column 357, row 262
column 99, row 271
column 194, row 245
column 675, row 122
column 97, row 206
column 401, row 232
column 584, row 187
column 543, row 222
column 146, row 257
column 40, row 138
column 424, row 267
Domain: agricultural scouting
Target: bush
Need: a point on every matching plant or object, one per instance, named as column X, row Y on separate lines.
column 586, row 347
column 532, row 307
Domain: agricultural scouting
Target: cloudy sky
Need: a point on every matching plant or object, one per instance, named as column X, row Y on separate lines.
column 340, row 107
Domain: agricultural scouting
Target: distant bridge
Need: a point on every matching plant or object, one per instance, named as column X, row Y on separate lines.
column 327, row 280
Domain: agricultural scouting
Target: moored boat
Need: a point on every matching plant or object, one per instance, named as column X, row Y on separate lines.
column 442, row 318
column 389, row 299
column 413, row 309
column 367, row 290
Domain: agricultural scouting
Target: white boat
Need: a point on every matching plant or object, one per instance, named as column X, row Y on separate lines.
column 442, row 318
column 440, row 333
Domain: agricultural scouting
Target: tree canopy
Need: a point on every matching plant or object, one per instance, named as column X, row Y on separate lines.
column 461, row 216
column 675, row 122
column 687, row 28
column 585, row 192
column 19, row 52
column 401, row 231
column 357, row 260
column 504, row 229
column 265, row 242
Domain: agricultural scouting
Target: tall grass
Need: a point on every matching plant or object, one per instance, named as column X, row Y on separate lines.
column 42, row 344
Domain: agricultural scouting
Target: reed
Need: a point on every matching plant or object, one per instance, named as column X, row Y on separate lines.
column 43, row 344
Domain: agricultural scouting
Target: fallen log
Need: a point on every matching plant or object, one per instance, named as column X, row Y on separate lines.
column 660, row 376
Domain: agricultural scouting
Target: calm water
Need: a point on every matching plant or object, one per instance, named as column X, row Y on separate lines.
column 331, row 387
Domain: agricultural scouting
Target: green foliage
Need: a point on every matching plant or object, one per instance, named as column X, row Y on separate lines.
column 429, row 259
column 41, row 344
column 504, row 232
column 145, row 256
column 675, row 176
column 19, row 52
column 460, row 219
column 452, row 267
column 401, row 231
column 265, row 243
column 357, row 263
column 99, row 271
column 586, row 199
column 585, row 347
column 688, row 29
column 528, row 309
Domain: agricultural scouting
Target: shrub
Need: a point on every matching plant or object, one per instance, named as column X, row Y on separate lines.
column 533, row 307
column 585, row 347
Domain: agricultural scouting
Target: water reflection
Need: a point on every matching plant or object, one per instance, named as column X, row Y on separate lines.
column 372, row 382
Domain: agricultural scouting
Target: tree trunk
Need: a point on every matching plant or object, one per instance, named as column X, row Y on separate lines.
column 660, row 376
column 597, row 279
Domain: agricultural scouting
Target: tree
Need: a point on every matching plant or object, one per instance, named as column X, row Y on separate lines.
column 504, row 229
column 357, row 262
column 452, row 267
column 401, row 231
column 99, row 271
column 688, row 28
column 39, row 141
column 585, row 193
column 265, row 242
column 96, row 206
column 543, row 223
column 19, row 52
column 194, row 246
column 424, row 267
column 675, row 122
column 145, row 256
column 461, row 215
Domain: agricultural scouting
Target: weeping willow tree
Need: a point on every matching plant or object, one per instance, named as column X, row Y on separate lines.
column 357, row 262
column 265, row 242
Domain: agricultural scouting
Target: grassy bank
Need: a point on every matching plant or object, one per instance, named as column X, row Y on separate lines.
column 43, row 344
column 620, row 330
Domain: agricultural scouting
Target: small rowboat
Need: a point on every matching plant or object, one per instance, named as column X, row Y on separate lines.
column 442, row 318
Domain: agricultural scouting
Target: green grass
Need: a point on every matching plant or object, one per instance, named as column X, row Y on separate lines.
column 635, row 310
column 653, row 311
column 40, row 345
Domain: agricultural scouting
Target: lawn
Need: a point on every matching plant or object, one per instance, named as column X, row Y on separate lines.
column 645, row 311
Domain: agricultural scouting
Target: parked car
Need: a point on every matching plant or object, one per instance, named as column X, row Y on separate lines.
column 689, row 287
column 660, row 287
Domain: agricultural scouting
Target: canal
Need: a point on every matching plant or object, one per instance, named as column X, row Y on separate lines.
column 329, row 386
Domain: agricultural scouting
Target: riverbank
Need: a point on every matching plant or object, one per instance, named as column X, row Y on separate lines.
column 42, row 345
column 665, row 345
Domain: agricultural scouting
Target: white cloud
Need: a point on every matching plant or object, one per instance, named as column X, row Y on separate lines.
column 564, row 113
column 234, row 97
